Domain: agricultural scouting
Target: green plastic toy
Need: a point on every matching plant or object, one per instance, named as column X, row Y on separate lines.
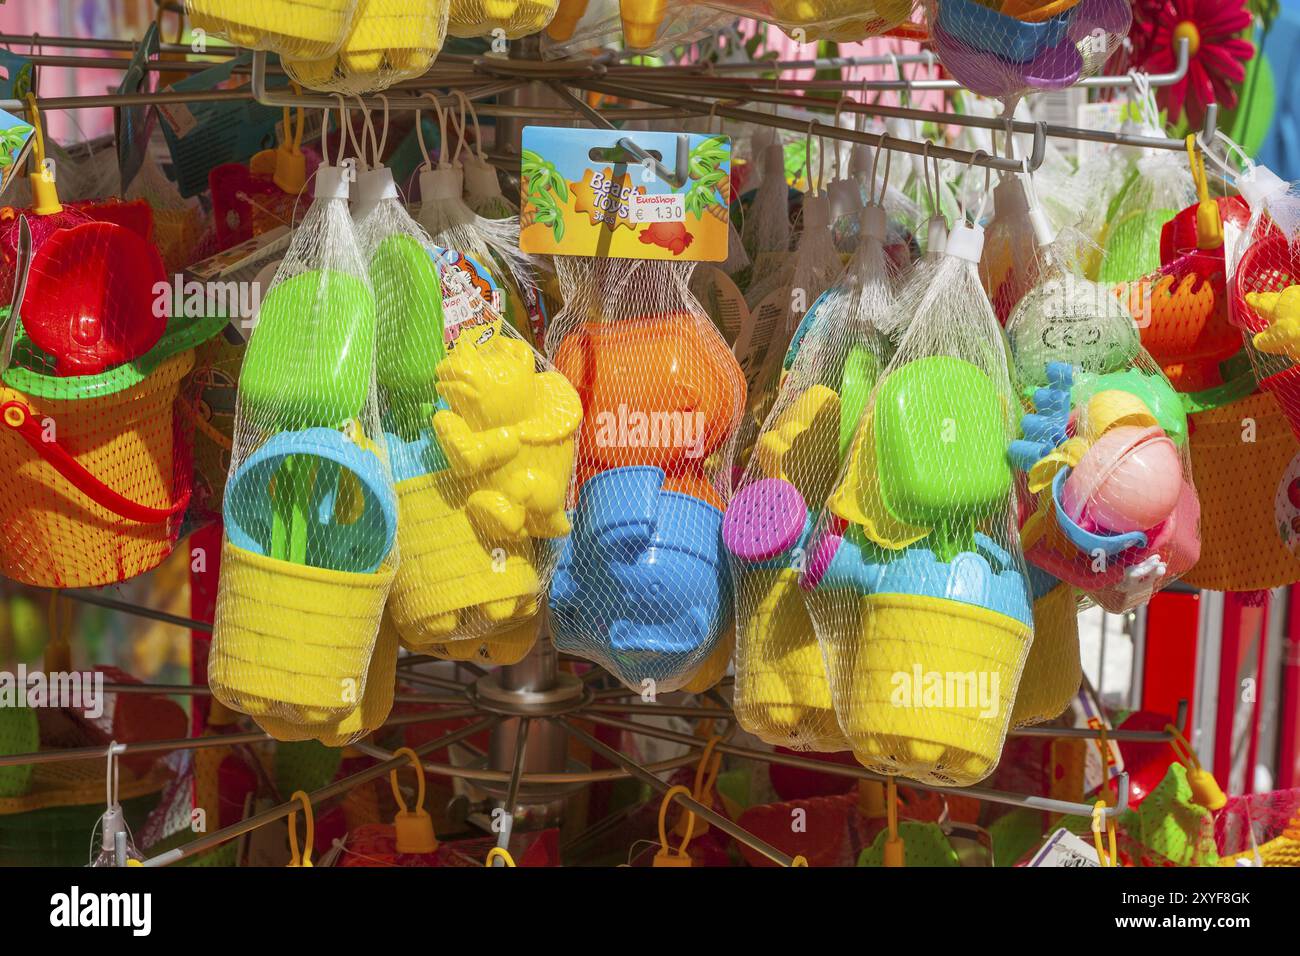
column 941, row 446
column 305, row 765
column 1154, row 391
column 409, row 291
column 1132, row 247
column 924, row 844
column 861, row 372
column 19, row 734
column 310, row 359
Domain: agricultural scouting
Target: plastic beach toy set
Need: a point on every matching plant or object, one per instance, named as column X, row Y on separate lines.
column 506, row 431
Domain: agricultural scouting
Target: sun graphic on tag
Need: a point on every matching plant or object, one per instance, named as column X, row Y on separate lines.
column 605, row 198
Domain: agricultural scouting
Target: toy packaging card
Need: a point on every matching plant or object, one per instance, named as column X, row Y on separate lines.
column 584, row 193
column 15, row 140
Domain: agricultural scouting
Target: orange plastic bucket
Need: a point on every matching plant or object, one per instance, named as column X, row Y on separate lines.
column 96, row 475
column 1240, row 453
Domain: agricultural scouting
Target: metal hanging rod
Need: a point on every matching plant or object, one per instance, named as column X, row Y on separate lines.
column 286, row 97
column 136, row 610
column 928, row 57
column 72, row 754
column 37, row 41
column 726, row 88
column 338, row 787
column 714, row 818
column 534, row 778
column 1029, row 801
column 1000, row 163
column 1122, row 736
column 201, row 690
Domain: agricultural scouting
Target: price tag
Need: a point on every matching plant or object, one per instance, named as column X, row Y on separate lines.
column 668, row 207
column 1063, row 848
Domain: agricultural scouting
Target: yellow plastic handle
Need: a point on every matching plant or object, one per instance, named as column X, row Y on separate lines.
column 303, row 859
column 419, row 777
column 497, row 853
column 666, row 853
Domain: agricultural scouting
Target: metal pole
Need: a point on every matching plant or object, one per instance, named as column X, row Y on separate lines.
column 816, row 128
column 843, row 770
column 194, row 847
column 700, row 810
column 199, row 743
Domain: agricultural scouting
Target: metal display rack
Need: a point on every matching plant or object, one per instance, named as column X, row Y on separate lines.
column 534, row 709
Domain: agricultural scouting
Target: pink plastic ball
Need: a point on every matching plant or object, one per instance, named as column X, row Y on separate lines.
column 1129, row 480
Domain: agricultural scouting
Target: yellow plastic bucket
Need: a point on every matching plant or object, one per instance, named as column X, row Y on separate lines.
column 400, row 43
column 782, row 693
column 450, row 586
column 77, row 469
column 714, row 667
column 892, row 720
column 517, row 18
column 293, row 642
column 363, row 719
column 502, row 648
column 303, row 29
column 1238, row 480
column 1053, row 670
column 641, row 21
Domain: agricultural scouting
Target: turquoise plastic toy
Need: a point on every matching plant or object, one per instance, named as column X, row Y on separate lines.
column 313, row 497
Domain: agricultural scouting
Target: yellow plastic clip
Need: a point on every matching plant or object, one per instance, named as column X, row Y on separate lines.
column 303, row 858
column 45, row 198
column 706, row 774
column 667, row 856
column 895, row 852
column 497, row 853
column 1205, row 789
column 1100, row 820
column 871, row 799
column 290, row 161
column 799, row 861
column 1209, row 221
column 414, row 828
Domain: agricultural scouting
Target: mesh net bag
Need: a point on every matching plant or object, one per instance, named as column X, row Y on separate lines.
column 513, row 18
column 97, row 474
column 841, row 21
column 1182, row 308
column 1259, row 829
column 781, row 312
column 1159, row 185
column 298, row 29
column 917, row 587
column 643, row 583
column 310, row 549
column 481, row 431
column 766, row 231
column 490, row 242
column 639, row 24
column 1025, row 45
column 1111, row 507
column 389, row 41
column 1010, row 264
column 782, row 693
column 1264, row 293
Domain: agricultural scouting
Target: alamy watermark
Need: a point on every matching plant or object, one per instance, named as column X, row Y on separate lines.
column 191, row 299
column 71, row 690
column 919, row 689
column 632, row 428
